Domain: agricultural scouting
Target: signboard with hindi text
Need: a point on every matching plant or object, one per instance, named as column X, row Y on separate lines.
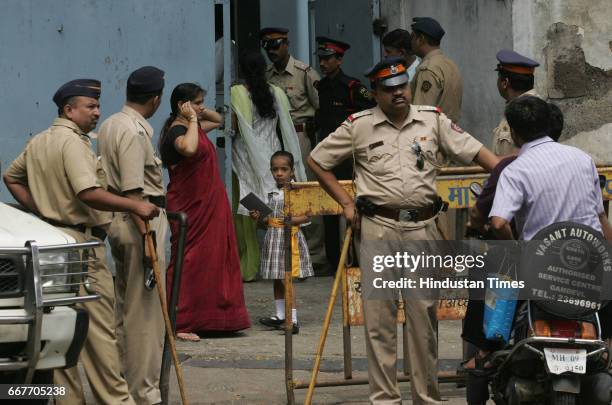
column 456, row 189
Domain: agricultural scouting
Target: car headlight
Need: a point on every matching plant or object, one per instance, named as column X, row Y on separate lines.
column 59, row 272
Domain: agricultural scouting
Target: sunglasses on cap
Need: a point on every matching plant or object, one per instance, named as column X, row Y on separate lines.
column 272, row 43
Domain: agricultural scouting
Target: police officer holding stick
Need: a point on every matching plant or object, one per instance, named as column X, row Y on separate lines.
column 58, row 178
column 396, row 147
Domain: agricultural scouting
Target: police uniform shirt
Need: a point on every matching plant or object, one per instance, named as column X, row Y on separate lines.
column 438, row 83
column 502, row 139
column 386, row 172
column 127, row 153
column 340, row 97
column 56, row 165
column 298, row 81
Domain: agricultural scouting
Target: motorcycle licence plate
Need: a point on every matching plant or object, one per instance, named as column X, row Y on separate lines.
column 562, row 360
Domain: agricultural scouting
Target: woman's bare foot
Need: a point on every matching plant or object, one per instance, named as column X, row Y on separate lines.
column 188, row 337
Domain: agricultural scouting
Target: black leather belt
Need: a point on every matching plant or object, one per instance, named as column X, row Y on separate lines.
column 406, row 214
column 367, row 208
column 158, row 200
column 96, row 231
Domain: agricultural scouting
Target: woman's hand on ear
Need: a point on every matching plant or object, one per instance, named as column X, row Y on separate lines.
column 187, row 111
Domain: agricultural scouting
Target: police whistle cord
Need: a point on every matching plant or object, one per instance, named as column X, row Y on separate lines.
column 328, row 315
column 164, row 307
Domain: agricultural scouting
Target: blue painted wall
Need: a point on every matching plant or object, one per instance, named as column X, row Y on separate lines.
column 46, row 43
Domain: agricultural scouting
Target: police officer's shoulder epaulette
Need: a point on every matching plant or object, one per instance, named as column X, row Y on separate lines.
column 428, row 108
column 351, row 118
column 301, row 65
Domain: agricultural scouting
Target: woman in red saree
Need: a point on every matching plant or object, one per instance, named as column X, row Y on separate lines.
column 211, row 296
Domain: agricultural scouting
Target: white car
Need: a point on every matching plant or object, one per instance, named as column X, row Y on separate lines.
column 41, row 272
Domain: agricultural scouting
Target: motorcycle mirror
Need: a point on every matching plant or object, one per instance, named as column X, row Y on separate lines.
column 476, row 189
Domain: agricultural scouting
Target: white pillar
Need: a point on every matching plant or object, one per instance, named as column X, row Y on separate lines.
column 227, row 79
column 302, row 37
column 376, row 54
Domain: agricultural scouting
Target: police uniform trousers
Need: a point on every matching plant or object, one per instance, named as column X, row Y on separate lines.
column 139, row 319
column 100, row 355
column 314, row 231
column 380, row 318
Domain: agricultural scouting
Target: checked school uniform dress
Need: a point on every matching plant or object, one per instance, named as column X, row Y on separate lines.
column 273, row 251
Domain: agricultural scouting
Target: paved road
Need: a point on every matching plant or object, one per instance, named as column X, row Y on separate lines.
column 248, row 368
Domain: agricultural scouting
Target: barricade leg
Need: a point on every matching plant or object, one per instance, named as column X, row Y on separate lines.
column 328, row 315
column 346, row 327
column 288, row 315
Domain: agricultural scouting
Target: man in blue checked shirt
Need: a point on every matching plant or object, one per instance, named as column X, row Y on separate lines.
column 528, row 192
column 530, row 188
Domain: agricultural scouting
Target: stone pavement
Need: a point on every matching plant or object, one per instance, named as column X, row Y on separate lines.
column 248, row 368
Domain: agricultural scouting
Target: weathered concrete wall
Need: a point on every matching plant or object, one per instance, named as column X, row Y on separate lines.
column 475, row 31
column 574, row 38
column 44, row 44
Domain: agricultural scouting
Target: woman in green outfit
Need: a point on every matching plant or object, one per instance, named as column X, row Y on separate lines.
column 264, row 126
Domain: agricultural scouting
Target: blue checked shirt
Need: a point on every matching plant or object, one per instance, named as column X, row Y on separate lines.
column 548, row 183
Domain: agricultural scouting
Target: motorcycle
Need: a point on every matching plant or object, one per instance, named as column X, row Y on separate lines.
column 552, row 360
column 555, row 354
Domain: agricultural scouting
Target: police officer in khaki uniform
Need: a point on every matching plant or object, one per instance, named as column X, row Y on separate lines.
column 58, row 178
column 514, row 79
column 133, row 170
column 396, row 148
column 299, row 81
column 437, row 81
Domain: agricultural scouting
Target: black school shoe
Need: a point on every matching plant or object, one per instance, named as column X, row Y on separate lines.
column 278, row 324
column 272, row 322
column 294, row 331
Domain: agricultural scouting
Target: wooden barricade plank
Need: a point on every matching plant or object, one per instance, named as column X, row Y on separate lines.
column 308, row 198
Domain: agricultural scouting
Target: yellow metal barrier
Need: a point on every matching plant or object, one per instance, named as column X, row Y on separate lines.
column 308, row 198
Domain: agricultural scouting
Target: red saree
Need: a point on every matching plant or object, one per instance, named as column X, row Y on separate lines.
column 211, row 296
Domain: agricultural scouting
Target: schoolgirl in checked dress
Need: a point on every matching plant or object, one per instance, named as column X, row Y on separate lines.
column 273, row 251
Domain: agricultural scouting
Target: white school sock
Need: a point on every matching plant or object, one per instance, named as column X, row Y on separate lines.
column 294, row 315
column 280, row 308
